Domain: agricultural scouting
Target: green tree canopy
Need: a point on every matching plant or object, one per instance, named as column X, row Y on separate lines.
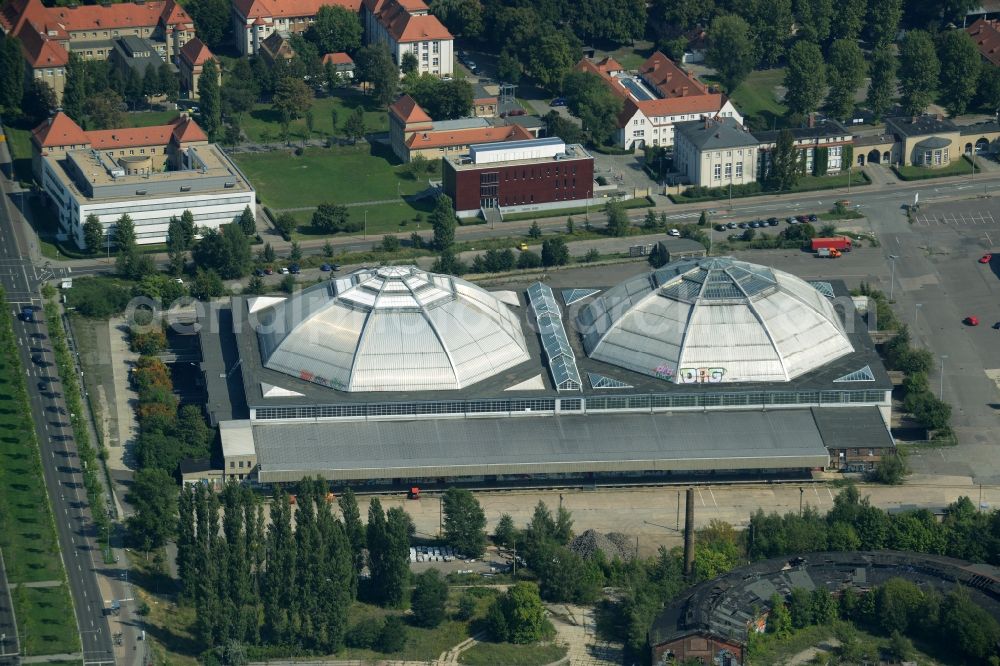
column 292, row 98
column 464, row 522
column 730, row 50
column 805, row 78
column 918, row 71
column 882, row 88
column 336, row 29
column 461, row 17
column 960, row 67
column 153, row 496
column 517, row 616
column 846, row 72
column 442, row 220
column 210, row 98
column 93, row 234
column 429, row 598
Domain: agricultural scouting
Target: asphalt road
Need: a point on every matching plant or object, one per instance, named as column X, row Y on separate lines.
column 60, row 463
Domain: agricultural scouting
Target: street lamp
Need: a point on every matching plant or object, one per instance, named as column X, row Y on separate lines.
column 892, row 273
column 944, row 357
column 916, row 311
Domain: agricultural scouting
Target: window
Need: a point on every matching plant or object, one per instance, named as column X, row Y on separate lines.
column 241, row 464
column 717, row 172
column 232, row 464
column 729, row 170
column 739, row 169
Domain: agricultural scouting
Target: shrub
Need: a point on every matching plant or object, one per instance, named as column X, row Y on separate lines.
column 392, row 638
column 364, row 634
column 529, row 259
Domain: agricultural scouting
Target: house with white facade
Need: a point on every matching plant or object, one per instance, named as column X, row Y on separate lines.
column 407, row 26
column 150, row 173
column 715, row 152
column 656, row 97
column 824, row 147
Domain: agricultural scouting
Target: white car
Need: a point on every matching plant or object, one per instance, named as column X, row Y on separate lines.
column 674, row 232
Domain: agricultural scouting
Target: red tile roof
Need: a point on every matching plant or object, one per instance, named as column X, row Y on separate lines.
column 196, row 53
column 59, row 130
column 39, row 50
column 987, row 38
column 288, row 8
column 660, row 72
column 467, row 137
column 14, row 13
column 407, row 110
column 338, row 59
column 187, row 130
column 710, row 103
column 63, row 20
column 417, row 28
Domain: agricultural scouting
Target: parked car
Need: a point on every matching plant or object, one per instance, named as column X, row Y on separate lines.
column 558, row 101
column 674, row 232
column 813, row 218
column 268, row 271
column 294, row 269
column 971, row 320
column 791, row 220
column 986, row 258
column 743, row 225
column 755, row 224
column 259, row 272
column 325, row 268
column 721, row 227
column 284, row 271
column 731, row 225
column 773, row 221
column 802, row 219
column 335, row 267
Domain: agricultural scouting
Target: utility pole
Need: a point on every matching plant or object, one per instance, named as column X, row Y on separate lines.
column 801, row 492
column 892, row 273
column 944, row 357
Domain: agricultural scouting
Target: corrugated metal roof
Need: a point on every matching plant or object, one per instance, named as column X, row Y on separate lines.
column 739, row 322
column 395, row 328
column 778, row 439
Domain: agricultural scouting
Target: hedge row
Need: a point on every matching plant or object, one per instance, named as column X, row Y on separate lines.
column 78, row 419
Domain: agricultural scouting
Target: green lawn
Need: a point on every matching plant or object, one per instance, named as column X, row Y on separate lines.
column 19, row 143
column 508, row 654
column 45, row 616
column 755, row 97
column 149, row 118
column 956, row 168
column 265, row 123
column 342, row 174
column 382, row 219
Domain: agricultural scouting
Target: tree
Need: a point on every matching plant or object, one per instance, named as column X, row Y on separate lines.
column 153, row 496
column 974, row 631
column 11, row 73
column 461, row 17
column 354, row 127
column 897, row 601
column 151, row 82
column 353, row 527
column 442, row 100
column 846, row 72
column 207, row 284
column 590, row 100
column 770, row 25
column 374, row 65
column 211, row 17
column 779, row 621
column 517, row 616
column 918, row 71
column 442, row 220
column 75, row 90
column 890, row 470
column 960, row 67
column 104, row 111
column 93, row 234
column 509, row 69
column 292, row 98
column 618, row 222
column 409, row 63
column 390, row 243
column 882, row 89
column 528, row 259
column 247, row 223
column 784, row 171
column 169, row 85
column 883, row 21
column 39, row 101
column 815, row 18
column 615, row 21
column 535, row 231
column 336, row 29
column 209, row 98
column 554, row 252
column 331, row 218
column 124, row 233
column 392, row 638
column 800, row 608
column 505, row 533
column 449, row 264
column 429, row 598
column 295, row 254
column 849, row 19
column 551, row 57
column 805, row 78
column 729, row 50
column 464, row 522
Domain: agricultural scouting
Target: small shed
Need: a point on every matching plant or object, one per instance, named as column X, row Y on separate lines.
column 675, row 249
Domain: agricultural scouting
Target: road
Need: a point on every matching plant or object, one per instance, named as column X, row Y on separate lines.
column 9, row 646
column 74, row 525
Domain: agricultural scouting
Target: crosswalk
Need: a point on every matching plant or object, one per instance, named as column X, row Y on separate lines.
column 981, row 218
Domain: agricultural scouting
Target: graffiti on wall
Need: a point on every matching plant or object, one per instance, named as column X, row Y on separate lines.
column 700, row 375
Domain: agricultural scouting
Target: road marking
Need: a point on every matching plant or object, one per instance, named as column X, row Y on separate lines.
column 702, row 497
column 713, row 497
column 830, row 492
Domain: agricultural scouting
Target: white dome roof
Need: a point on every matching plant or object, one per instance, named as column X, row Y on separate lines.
column 394, row 328
column 714, row 320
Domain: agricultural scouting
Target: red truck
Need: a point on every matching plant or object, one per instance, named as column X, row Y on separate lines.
column 842, row 243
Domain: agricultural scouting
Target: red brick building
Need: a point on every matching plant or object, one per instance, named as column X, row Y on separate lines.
column 519, row 176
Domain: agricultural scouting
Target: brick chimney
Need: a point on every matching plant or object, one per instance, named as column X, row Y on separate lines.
column 684, row 91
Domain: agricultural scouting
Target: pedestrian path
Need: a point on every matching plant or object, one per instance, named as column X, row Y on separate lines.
column 37, row 583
